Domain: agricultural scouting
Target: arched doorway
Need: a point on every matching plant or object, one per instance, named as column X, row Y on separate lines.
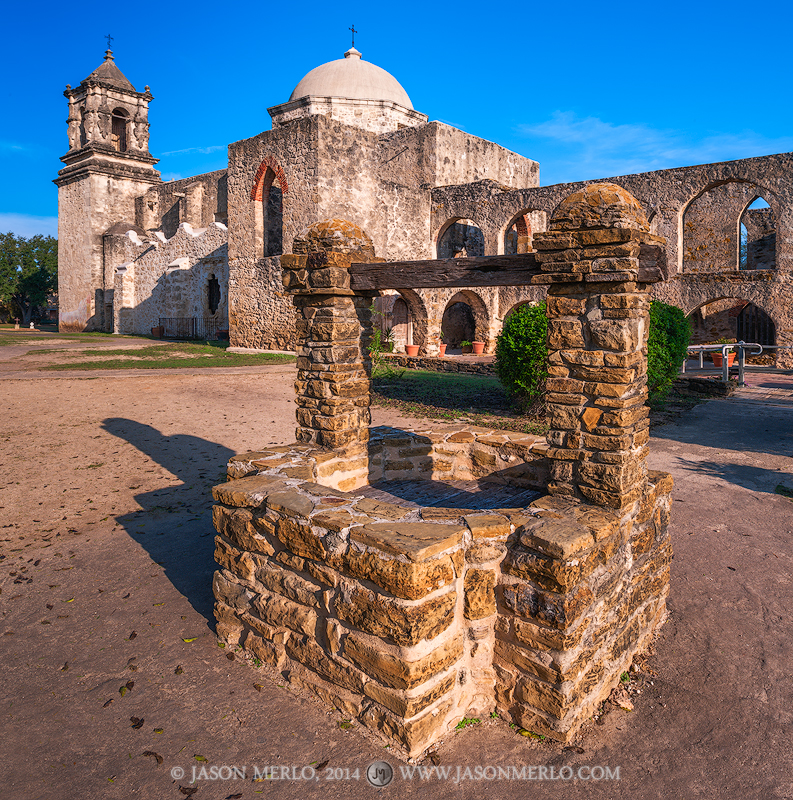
column 465, row 319
column 731, row 318
column 400, row 324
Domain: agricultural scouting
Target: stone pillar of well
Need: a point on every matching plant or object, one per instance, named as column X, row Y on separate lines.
column 598, row 318
column 334, row 332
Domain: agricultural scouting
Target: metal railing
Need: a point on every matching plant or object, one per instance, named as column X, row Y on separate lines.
column 191, row 327
column 741, row 348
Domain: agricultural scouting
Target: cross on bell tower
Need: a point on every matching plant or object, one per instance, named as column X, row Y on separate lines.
column 353, row 33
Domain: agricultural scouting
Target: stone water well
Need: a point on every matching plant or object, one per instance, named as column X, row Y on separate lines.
column 411, row 578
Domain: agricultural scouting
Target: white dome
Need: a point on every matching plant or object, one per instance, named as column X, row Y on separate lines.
column 353, row 79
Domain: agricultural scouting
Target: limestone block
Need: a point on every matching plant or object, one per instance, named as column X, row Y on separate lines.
column 406, row 579
column 480, row 596
column 539, row 637
column 396, row 672
column 282, row 613
column 562, row 539
column 619, row 335
column 300, row 538
column 310, row 654
column 414, row 735
column 485, row 551
column 230, row 591
column 349, row 703
column 551, row 608
column 395, row 620
column 277, row 579
column 564, row 333
column 488, row 526
column 237, row 525
column 249, row 492
column 418, row 541
column 292, row 561
column 238, row 562
column 409, row 704
column 553, row 699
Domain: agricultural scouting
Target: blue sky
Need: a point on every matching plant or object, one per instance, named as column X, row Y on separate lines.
column 587, row 89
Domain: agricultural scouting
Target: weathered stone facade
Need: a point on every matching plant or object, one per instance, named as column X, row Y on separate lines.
column 354, row 148
column 409, row 619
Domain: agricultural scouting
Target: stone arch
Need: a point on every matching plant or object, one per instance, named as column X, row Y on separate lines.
column 709, row 224
column 757, row 232
column 479, row 318
column 519, row 304
column 459, row 237
column 516, row 235
column 724, row 319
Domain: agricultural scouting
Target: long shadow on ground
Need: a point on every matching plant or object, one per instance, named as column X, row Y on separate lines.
column 736, row 424
column 174, row 524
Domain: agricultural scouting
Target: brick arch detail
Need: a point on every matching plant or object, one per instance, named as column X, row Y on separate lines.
column 258, row 182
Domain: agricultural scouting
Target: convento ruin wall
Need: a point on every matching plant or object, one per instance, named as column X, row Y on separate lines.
column 409, row 617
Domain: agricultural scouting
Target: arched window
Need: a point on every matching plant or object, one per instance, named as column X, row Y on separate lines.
column 118, row 131
column 213, row 294
column 461, row 239
column 269, row 191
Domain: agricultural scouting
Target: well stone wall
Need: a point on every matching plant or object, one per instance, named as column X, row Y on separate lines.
column 409, row 618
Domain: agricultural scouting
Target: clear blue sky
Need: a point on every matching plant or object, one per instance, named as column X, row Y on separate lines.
column 587, row 89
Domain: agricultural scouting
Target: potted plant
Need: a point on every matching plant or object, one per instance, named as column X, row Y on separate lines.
column 717, row 357
column 478, row 347
column 157, row 332
column 467, row 346
column 412, row 349
column 442, row 345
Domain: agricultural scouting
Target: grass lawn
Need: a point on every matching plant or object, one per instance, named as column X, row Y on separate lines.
column 454, row 397
column 167, row 356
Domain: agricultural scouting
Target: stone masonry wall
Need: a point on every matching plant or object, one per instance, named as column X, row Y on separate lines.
column 170, row 277
column 410, row 619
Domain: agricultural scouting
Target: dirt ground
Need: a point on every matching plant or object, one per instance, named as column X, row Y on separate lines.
column 105, row 530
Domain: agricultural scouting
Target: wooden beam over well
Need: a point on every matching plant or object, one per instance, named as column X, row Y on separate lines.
column 516, row 270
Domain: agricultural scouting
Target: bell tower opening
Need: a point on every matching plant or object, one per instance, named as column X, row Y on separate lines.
column 118, row 133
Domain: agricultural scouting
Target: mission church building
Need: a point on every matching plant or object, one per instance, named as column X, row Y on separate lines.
column 347, row 144
column 202, row 254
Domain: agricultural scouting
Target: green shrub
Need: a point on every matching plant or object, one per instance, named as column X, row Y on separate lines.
column 670, row 333
column 522, row 354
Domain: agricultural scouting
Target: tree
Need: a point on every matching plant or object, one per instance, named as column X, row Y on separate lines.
column 28, row 272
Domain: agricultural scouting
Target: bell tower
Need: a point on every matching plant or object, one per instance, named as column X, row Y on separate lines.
column 107, row 166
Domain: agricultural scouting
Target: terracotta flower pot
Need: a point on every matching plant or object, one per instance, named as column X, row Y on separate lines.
column 157, row 332
column 717, row 358
column 467, row 348
column 412, row 349
column 479, row 348
column 443, row 349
